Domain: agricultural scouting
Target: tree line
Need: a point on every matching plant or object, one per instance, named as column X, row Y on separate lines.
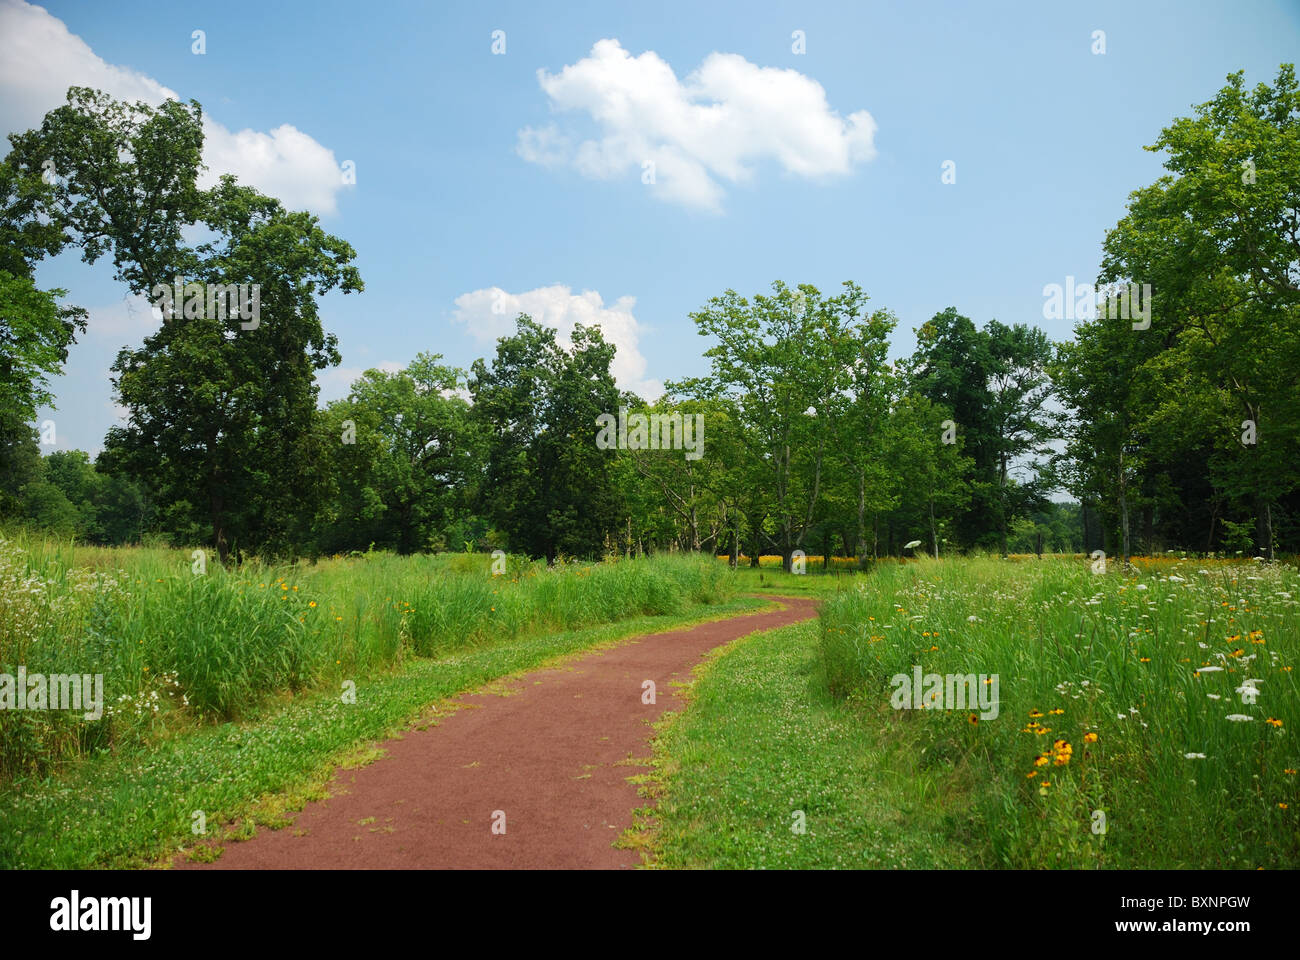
column 1181, row 431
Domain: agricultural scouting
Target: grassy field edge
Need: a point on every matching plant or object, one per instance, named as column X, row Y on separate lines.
column 141, row 808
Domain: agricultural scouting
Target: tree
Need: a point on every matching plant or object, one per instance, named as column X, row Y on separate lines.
column 951, row 367
column 785, row 364
column 1021, row 425
column 405, row 451
column 220, row 410
column 546, row 485
column 1216, row 239
column 930, row 472
column 35, row 331
column 995, row 383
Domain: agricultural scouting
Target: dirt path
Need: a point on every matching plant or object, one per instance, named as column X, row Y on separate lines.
column 547, row 757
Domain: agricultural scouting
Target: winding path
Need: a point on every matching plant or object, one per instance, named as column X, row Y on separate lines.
column 552, row 756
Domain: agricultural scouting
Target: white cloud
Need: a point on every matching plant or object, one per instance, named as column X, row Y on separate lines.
column 490, row 313
column 40, row 59
column 715, row 125
column 336, row 382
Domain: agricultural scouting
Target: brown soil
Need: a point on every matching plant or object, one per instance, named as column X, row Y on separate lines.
column 552, row 756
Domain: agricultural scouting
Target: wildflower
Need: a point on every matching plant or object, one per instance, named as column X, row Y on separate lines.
column 1273, row 722
column 973, row 719
column 1283, row 806
column 1056, row 711
column 1035, row 713
column 312, row 603
column 1290, row 772
column 1041, row 760
column 1089, row 738
column 1144, row 659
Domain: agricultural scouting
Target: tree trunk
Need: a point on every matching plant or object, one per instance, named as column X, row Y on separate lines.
column 861, row 551
column 1123, row 511
column 1002, row 504
column 217, row 510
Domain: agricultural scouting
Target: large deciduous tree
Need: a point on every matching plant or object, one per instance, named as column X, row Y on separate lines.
column 220, row 408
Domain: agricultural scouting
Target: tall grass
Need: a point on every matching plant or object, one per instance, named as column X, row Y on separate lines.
column 1141, row 674
column 177, row 648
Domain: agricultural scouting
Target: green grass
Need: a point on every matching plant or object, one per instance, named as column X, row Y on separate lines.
column 760, row 739
column 137, row 807
column 813, row 583
column 1112, row 667
column 179, row 650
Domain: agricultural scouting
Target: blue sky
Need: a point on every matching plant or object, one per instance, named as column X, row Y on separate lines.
column 1045, row 135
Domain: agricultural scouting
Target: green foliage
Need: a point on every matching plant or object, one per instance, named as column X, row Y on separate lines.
column 405, row 451
column 545, row 483
column 1197, row 418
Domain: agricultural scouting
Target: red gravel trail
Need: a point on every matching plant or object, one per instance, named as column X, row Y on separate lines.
column 547, row 757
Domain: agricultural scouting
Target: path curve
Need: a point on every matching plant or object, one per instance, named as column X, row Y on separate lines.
column 551, row 756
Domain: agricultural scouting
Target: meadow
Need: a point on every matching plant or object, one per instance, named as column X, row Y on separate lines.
column 179, row 650
column 1147, row 717
column 1146, row 720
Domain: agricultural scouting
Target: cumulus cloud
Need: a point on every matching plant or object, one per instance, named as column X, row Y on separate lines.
column 713, row 126
column 40, row 58
column 490, row 313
